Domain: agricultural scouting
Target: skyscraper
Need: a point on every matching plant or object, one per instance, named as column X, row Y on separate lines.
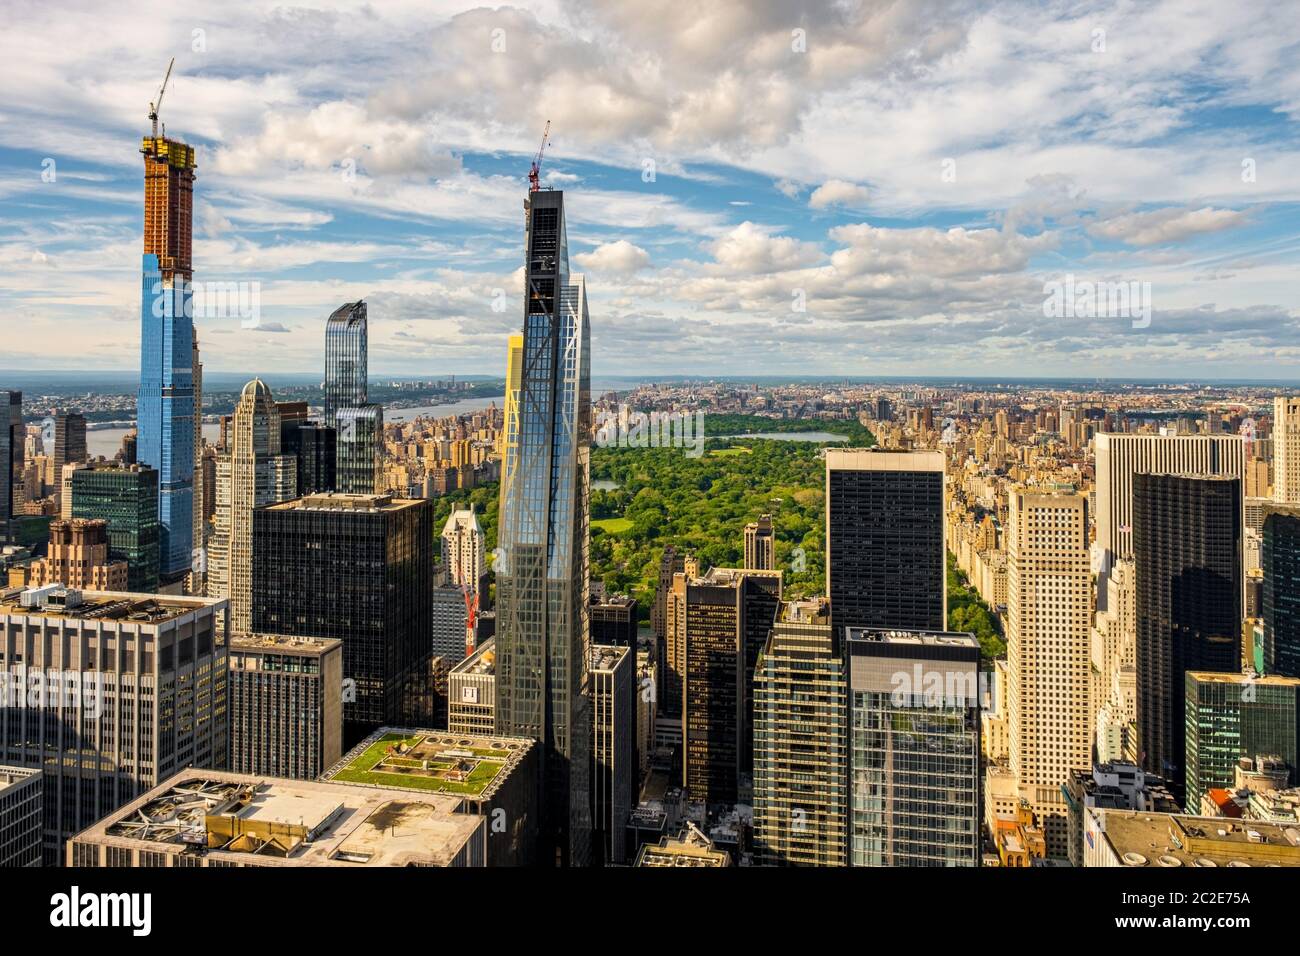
column 613, row 750
column 78, row 557
column 542, row 582
column 1187, row 535
column 165, row 406
column 510, row 418
column 259, row 475
column 198, row 520
column 346, row 363
column 914, row 753
column 463, row 556
column 1286, row 449
column 360, row 441
column 11, row 453
column 760, row 545
column 1280, row 559
column 1120, row 457
column 69, row 446
column 144, row 695
column 884, row 539
column 358, row 568
column 1049, row 675
column 125, row 496
column 801, row 743
column 1230, row 716
column 286, row 705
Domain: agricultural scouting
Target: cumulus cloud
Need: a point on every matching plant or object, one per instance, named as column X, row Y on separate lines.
column 836, row 192
column 1159, row 226
column 619, row 258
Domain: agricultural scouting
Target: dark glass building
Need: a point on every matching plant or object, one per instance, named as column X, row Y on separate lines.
column 1280, row 558
column 884, row 539
column 314, row 445
column 1187, row 555
column 542, row 624
column 1231, row 716
column 125, row 496
column 11, row 452
column 346, row 367
column 358, row 568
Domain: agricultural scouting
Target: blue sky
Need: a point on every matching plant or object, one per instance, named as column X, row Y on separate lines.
column 913, row 174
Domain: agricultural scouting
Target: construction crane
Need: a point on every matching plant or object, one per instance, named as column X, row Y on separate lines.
column 156, row 106
column 535, row 171
column 471, row 616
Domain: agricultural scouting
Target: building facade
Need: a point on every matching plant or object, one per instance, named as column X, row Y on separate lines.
column 542, row 580
column 143, row 695
column 885, row 557
column 913, row 748
column 286, row 705
column 126, row 498
column 1280, row 607
column 614, row 771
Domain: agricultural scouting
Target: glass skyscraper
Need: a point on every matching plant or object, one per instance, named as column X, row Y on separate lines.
column 126, row 496
column 11, row 451
column 165, row 405
column 914, row 748
column 1280, row 557
column 542, row 582
column 345, row 359
column 359, row 440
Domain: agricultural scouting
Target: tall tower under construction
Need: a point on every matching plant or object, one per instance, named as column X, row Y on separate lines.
column 165, row 405
column 542, row 588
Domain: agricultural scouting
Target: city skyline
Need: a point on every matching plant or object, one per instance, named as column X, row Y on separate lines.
column 711, row 205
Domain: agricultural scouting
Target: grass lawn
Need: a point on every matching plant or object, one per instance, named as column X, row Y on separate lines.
column 364, row 768
column 738, row 450
column 612, row 525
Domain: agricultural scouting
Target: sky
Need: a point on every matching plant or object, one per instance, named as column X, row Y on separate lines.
column 840, row 188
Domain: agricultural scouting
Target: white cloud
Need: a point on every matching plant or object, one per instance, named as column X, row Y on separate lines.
column 1160, row 226
column 619, row 258
column 836, row 192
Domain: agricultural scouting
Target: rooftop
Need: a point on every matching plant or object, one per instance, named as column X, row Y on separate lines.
column 605, row 657
column 289, row 822
column 56, row 601
column 1172, row 840
column 338, row 501
column 282, row 643
column 482, row 662
column 920, row 638
column 435, row 761
column 1267, row 680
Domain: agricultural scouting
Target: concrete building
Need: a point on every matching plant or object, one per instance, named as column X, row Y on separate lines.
column 200, row 818
column 1286, row 449
column 471, row 693
column 614, row 771
column 1141, row 840
column 760, row 545
column 463, row 550
column 258, row 474
column 1049, row 607
column 450, row 631
column 1112, row 786
column 692, row 848
column 20, row 817
column 613, row 619
column 801, row 743
column 139, row 690
column 286, row 705
column 78, row 557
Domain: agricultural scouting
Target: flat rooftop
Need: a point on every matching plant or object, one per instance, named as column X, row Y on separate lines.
column 483, row 662
column 103, row 605
column 1267, row 680
column 289, row 822
column 338, row 501
column 434, row 761
column 1175, row 839
column 606, row 657
column 873, row 635
column 283, row 644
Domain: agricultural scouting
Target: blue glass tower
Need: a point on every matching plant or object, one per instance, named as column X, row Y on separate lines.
column 165, row 404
